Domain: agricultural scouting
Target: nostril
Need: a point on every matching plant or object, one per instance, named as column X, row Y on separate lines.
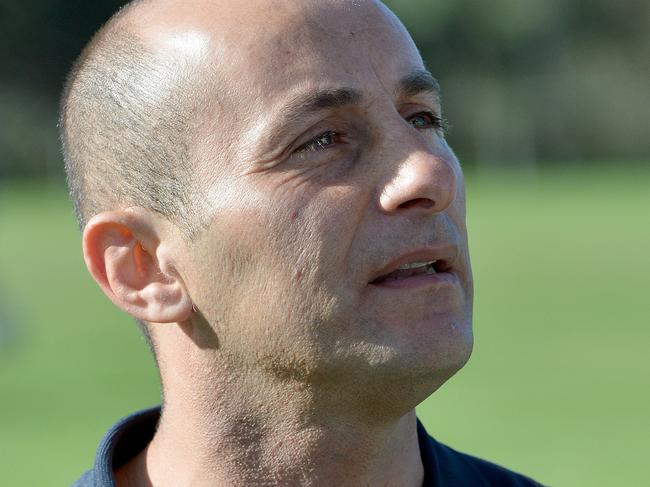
column 418, row 202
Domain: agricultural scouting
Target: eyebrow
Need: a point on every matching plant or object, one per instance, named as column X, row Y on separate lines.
column 417, row 82
column 321, row 100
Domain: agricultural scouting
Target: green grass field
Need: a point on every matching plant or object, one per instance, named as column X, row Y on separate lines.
column 558, row 386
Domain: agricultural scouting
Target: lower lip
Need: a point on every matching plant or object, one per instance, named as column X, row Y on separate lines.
column 420, row 281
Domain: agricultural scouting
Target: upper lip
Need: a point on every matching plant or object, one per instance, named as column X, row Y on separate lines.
column 445, row 256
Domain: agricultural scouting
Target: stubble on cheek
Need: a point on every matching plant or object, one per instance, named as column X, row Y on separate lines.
column 255, row 285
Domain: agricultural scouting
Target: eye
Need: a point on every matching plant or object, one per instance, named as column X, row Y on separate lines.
column 320, row 142
column 426, row 120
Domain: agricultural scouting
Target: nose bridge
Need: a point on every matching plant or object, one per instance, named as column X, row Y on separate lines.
column 420, row 175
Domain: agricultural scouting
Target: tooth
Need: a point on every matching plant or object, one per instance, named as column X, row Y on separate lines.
column 414, row 265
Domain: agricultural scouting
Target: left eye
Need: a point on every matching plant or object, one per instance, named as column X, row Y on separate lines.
column 425, row 120
column 321, row 142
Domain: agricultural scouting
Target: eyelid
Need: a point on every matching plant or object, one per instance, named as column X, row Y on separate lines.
column 341, row 128
column 437, row 121
column 316, row 141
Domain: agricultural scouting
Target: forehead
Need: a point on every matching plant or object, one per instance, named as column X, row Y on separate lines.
column 250, row 58
column 259, row 48
column 307, row 45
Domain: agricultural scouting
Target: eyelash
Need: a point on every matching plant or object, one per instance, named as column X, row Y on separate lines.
column 435, row 122
column 319, row 142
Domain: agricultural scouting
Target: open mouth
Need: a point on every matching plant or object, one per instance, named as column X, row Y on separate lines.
column 412, row 269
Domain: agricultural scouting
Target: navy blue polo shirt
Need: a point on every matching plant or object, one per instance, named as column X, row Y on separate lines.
column 443, row 466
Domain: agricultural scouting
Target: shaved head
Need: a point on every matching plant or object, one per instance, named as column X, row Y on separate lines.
column 126, row 127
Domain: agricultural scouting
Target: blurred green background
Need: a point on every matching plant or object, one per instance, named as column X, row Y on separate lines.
column 549, row 104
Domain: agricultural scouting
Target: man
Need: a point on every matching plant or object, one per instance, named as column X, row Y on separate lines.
column 266, row 187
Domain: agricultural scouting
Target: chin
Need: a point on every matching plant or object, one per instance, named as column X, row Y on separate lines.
column 433, row 358
column 432, row 376
column 435, row 342
column 439, row 360
column 392, row 391
column 397, row 378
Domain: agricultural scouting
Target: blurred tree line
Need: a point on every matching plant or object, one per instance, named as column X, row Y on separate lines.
column 524, row 81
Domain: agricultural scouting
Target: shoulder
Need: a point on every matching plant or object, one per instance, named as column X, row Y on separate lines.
column 454, row 462
column 447, row 467
column 86, row 480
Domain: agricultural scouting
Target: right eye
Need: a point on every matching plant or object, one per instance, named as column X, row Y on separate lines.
column 318, row 143
column 426, row 120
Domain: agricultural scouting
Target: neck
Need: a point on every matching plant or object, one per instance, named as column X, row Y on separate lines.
column 224, row 428
column 247, row 450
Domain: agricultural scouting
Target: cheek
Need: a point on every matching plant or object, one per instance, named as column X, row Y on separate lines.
column 326, row 229
column 247, row 255
column 457, row 208
column 316, row 224
column 457, row 211
column 289, row 251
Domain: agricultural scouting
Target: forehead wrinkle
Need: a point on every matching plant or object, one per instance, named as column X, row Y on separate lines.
column 417, row 82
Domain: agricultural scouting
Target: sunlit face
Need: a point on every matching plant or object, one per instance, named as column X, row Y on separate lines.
column 325, row 169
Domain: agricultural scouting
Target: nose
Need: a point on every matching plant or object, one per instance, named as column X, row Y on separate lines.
column 424, row 182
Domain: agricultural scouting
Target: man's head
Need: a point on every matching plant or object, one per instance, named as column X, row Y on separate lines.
column 260, row 174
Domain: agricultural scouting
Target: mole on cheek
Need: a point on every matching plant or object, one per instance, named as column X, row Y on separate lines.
column 294, row 214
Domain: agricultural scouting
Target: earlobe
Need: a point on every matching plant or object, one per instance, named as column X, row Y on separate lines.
column 122, row 253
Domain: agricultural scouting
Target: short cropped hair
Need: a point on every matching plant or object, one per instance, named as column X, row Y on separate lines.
column 125, row 132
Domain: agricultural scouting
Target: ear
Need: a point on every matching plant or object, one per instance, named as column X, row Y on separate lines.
column 124, row 254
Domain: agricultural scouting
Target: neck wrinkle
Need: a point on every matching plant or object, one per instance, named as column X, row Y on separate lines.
column 225, row 424
column 218, row 434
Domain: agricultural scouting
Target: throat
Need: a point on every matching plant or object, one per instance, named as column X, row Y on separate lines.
column 246, row 453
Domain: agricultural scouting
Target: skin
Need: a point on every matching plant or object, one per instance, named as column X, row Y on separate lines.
column 281, row 364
